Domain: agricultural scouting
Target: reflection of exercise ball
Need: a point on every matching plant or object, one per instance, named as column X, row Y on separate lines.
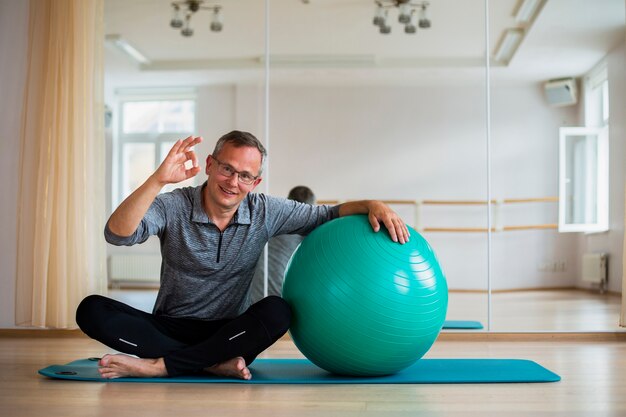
column 362, row 304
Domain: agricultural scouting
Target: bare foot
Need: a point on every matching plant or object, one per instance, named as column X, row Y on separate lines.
column 116, row 366
column 235, row 367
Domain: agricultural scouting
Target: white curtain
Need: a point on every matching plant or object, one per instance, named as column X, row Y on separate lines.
column 61, row 255
column 622, row 321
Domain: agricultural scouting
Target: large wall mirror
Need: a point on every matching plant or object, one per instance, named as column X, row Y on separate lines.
column 561, row 71
column 357, row 102
column 393, row 111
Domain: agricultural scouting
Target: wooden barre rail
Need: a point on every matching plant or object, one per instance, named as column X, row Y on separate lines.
column 497, row 206
column 531, row 200
column 493, row 229
column 407, row 202
column 456, row 203
column 531, row 227
column 460, row 202
column 484, row 202
column 458, row 229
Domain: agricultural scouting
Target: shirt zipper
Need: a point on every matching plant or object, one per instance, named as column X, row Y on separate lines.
column 219, row 246
column 219, row 242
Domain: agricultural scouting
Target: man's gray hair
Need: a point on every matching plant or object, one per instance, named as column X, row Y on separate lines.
column 238, row 139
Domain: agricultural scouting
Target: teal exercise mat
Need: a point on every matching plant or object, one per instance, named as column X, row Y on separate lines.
column 462, row 325
column 302, row 371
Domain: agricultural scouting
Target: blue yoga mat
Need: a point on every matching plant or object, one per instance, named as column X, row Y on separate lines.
column 462, row 324
column 302, row 371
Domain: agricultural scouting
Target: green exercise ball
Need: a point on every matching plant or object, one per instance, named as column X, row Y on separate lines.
column 363, row 305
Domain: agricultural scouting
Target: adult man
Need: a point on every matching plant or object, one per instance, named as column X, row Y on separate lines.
column 211, row 237
column 280, row 249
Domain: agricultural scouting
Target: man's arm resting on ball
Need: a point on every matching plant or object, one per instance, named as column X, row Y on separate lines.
column 378, row 212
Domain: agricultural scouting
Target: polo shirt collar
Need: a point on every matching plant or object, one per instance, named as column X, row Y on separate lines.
column 198, row 215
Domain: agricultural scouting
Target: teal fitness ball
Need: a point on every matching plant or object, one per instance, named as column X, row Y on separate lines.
column 362, row 304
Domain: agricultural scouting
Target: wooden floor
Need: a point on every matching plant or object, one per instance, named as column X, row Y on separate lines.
column 592, row 366
column 565, row 310
column 593, row 371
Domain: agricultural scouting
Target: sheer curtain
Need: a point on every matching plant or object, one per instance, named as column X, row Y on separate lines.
column 622, row 321
column 61, row 255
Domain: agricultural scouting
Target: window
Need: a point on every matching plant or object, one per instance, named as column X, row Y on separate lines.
column 597, row 97
column 147, row 130
column 584, row 162
column 584, row 178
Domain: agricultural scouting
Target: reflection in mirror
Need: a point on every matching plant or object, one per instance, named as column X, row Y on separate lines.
column 365, row 110
column 171, row 72
column 565, row 70
column 583, row 179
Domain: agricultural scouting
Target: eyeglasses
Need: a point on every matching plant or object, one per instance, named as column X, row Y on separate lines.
column 228, row 171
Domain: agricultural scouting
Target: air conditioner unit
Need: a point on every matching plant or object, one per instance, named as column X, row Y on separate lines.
column 561, row 92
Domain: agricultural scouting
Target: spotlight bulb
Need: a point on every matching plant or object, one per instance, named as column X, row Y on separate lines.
column 176, row 21
column 411, row 26
column 385, row 29
column 216, row 23
column 187, row 30
column 424, row 21
column 405, row 13
column 379, row 17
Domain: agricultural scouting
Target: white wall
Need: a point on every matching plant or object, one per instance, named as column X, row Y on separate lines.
column 13, row 45
column 525, row 154
column 379, row 141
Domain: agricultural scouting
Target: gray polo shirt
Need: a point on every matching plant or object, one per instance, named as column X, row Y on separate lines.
column 206, row 273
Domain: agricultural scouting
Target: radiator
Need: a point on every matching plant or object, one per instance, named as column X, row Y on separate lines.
column 595, row 268
column 140, row 268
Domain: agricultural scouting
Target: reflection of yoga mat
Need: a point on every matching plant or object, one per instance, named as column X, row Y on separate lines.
column 301, row 371
column 462, row 324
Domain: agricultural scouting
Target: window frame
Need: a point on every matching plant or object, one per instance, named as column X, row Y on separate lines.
column 121, row 138
column 596, row 123
column 597, row 78
column 601, row 202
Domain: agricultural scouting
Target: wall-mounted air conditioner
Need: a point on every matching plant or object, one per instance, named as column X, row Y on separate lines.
column 561, row 92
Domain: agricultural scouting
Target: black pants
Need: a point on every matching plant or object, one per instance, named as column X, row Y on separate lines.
column 187, row 345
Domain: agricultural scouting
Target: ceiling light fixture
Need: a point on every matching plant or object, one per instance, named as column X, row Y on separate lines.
column 410, row 14
column 508, row 45
column 188, row 8
column 527, row 11
column 123, row 45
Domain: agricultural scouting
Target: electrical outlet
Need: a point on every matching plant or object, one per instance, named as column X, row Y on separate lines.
column 546, row 266
column 551, row 266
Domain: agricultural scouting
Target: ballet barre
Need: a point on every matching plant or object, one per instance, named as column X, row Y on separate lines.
column 496, row 204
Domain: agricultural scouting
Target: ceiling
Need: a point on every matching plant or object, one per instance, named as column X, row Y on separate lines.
column 336, row 40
